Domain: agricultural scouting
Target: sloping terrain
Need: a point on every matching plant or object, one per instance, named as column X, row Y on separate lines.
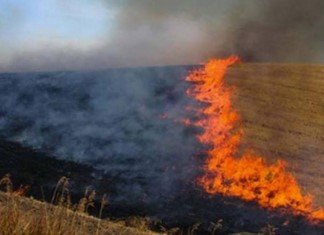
column 21, row 215
column 126, row 124
column 282, row 110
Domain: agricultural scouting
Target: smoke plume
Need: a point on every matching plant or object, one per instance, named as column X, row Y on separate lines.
column 282, row 31
column 168, row 32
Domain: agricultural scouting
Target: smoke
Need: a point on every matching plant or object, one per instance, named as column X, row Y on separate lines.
column 168, row 32
column 113, row 120
column 282, row 31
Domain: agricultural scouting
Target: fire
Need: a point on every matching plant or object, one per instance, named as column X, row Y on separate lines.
column 248, row 176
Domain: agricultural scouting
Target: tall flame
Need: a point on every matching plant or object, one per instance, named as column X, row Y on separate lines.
column 248, row 177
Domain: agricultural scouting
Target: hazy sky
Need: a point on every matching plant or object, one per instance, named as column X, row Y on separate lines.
column 45, row 25
column 91, row 34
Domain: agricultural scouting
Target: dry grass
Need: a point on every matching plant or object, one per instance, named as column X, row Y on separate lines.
column 282, row 110
column 25, row 216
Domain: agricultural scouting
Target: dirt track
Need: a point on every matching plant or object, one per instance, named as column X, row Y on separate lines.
column 282, row 110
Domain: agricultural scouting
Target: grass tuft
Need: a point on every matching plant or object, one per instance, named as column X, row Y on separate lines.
column 25, row 216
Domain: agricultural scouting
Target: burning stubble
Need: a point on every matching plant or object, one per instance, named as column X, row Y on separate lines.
column 248, row 177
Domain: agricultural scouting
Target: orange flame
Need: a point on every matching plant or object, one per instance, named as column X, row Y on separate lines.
column 248, row 177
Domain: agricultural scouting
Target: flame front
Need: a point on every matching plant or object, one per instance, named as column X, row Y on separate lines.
column 248, row 176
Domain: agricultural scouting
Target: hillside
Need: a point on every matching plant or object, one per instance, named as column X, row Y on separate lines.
column 282, row 110
column 119, row 131
column 21, row 215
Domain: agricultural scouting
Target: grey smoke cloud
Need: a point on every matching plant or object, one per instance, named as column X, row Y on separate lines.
column 279, row 30
column 167, row 32
column 111, row 120
column 282, row 31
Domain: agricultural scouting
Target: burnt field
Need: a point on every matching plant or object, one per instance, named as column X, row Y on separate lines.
column 120, row 131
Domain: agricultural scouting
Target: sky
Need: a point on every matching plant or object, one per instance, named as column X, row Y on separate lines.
column 28, row 26
column 41, row 35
